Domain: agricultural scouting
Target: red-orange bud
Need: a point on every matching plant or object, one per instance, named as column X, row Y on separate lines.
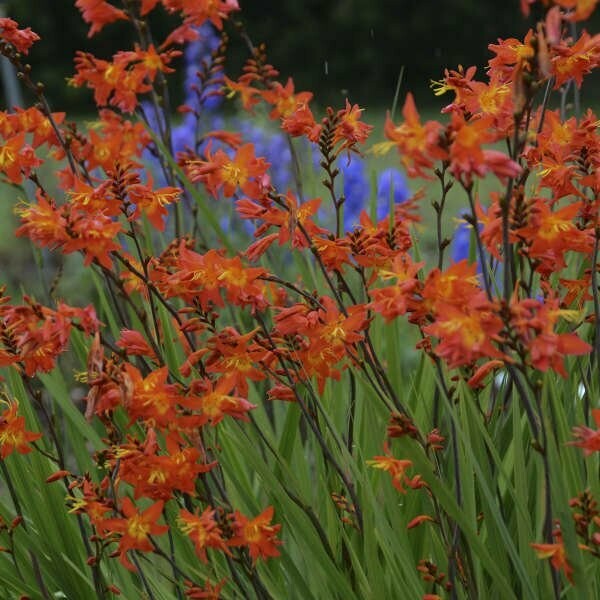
column 58, row 475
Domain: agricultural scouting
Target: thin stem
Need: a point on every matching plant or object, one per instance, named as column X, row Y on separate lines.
column 143, row 579
column 547, row 489
column 295, row 499
column 453, row 552
column 480, row 250
column 351, row 414
column 318, row 434
column 439, row 210
column 296, row 168
column 576, row 92
column 176, row 571
column 547, row 91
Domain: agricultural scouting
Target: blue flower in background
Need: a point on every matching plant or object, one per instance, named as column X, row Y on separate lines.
column 390, row 183
column 273, row 145
column 199, row 100
column 195, row 54
column 461, row 245
column 461, row 242
column 356, row 189
column 183, row 135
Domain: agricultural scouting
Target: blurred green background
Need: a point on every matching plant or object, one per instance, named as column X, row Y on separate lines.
column 353, row 48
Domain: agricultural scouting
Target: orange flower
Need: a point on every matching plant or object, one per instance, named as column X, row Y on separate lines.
column 302, row 122
column 40, row 334
column 13, row 435
column 248, row 94
column 114, row 140
column 418, row 144
column 456, row 286
column 217, row 402
column 91, row 502
column 350, row 130
column 17, row 158
column 468, row 158
column 459, row 82
column 42, row 222
column 134, row 343
column 112, row 82
column 329, row 334
column 219, row 172
column 196, row 12
column 578, row 291
column 21, row 39
column 334, row 253
column 394, row 300
column 98, row 13
column 284, row 100
column 335, row 329
column 573, row 62
column 476, row 381
column 550, row 234
column 152, row 399
column 588, row 438
column 89, row 199
column 203, row 530
column 512, row 56
column 289, row 220
column 157, row 476
column 121, row 81
column 95, row 235
column 419, row 520
column 134, row 529
column 34, row 121
column 557, row 555
column 257, row 534
column 202, row 277
column 236, row 355
column 535, row 321
column 149, row 61
column 153, row 203
column 397, row 469
column 466, row 333
column 208, row 591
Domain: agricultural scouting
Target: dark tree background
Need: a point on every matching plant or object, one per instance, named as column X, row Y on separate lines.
column 338, row 49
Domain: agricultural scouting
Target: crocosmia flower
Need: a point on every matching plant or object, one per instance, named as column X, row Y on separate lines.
column 13, row 435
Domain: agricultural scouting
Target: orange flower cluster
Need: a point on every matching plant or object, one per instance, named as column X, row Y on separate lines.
column 119, row 82
column 242, row 173
column 113, row 140
column 319, row 338
column 21, row 39
column 33, row 336
column 88, row 221
column 200, row 337
column 293, row 110
column 24, row 131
